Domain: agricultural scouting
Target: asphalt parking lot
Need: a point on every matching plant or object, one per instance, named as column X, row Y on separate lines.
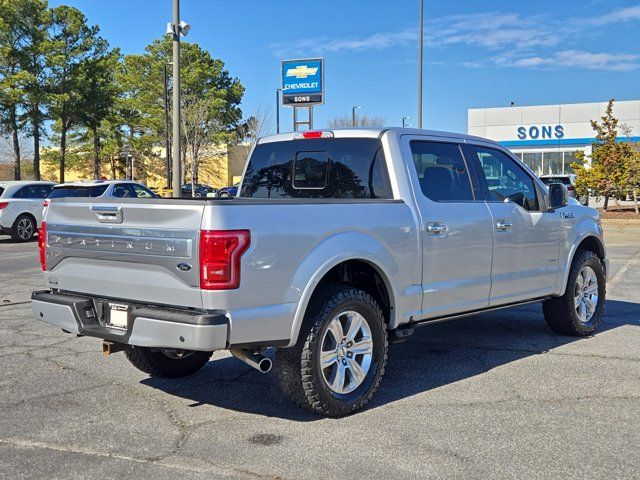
column 492, row 396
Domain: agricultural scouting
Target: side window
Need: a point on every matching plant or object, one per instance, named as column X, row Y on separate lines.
column 442, row 172
column 506, row 181
column 142, row 192
column 122, row 190
column 98, row 190
column 33, row 191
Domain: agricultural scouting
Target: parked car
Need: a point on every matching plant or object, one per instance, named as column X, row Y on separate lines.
column 568, row 181
column 326, row 261
column 228, row 191
column 21, row 208
column 102, row 189
column 199, row 191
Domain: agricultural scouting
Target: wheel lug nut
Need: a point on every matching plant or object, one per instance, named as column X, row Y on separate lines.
column 344, row 362
column 349, row 344
column 349, row 354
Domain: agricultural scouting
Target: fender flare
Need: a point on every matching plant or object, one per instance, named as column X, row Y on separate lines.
column 572, row 253
column 382, row 261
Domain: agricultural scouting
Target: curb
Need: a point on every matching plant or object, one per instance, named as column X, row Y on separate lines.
column 620, row 222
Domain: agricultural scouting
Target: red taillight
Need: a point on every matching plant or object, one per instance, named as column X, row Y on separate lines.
column 3, row 205
column 42, row 245
column 46, row 203
column 220, row 252
column 571, row 187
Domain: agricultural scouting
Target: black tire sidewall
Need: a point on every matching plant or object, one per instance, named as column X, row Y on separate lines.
column 378, row 334
column 595, row 264
column 157, row 364
column 14, row 228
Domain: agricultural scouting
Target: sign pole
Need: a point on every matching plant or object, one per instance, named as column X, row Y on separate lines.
column 302, row 88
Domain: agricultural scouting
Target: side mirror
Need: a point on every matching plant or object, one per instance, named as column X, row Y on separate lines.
column 558, row 196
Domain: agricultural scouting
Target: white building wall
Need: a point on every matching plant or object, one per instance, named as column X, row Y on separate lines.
column 557, row 130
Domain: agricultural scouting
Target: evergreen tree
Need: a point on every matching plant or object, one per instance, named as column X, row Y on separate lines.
column 35, row 20
column 72, row 43
column 11, row 76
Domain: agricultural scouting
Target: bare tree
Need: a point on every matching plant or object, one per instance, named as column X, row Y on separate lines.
column 257, row 125
column 200, row 127
column 7, row 152
column 346, row 121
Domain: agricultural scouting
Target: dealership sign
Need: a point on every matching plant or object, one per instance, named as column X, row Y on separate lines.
column 540, row 132
column 303, row 82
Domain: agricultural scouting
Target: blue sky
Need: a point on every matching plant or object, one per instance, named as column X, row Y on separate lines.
column 477, row 54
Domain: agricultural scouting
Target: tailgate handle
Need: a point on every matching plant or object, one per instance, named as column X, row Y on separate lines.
column 108, row 213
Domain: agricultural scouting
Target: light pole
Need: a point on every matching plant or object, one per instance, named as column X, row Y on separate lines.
column 176, row 29
column 278, row 90
column 353, row 115
column 420, row 45
column 404, row 121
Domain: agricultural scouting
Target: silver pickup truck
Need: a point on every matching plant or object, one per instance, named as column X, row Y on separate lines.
column 338, row 243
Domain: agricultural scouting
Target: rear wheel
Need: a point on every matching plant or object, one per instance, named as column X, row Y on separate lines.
column 224, row 194
column 166, row 362
column 24, row 228
column 339, row 360
column 579, row 311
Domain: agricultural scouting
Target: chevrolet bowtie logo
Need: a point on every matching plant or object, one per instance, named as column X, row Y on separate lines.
column 301, row 71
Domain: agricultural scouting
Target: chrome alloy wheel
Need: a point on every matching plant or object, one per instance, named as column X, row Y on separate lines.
column 25, row 228
column 346, row 352
column 586, row 294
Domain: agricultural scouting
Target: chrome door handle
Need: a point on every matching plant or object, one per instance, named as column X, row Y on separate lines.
column 436, row 229
column 503, row 225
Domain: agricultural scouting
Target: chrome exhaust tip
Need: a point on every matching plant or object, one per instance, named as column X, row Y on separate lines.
column 255, row 360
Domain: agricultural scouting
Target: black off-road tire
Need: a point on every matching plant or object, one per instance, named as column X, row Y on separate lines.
column 18, row 227
column 298, row 367
column 154, row 362
column 560, row 312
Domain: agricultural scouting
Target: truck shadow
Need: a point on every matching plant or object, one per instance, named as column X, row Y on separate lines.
column 435, row 356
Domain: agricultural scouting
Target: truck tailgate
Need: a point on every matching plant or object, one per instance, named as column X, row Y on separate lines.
column 139, row 249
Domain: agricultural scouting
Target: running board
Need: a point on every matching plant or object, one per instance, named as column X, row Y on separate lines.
column 446, row 318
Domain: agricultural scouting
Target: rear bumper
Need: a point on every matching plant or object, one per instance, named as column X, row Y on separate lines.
column 148, row 326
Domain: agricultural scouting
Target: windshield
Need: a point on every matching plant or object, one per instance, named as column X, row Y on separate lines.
column 93, row 191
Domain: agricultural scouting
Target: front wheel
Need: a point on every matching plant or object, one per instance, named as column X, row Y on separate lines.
column 579, row 311
column 166, row 363
column 338, row 362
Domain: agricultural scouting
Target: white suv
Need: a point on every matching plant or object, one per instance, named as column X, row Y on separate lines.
column 21, row 207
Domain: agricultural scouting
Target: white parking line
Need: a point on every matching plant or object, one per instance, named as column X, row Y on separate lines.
column 635, row 261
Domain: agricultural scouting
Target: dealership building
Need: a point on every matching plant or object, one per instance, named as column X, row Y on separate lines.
column 547, row 137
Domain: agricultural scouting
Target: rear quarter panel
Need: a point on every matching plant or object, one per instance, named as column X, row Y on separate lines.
column 294, row 244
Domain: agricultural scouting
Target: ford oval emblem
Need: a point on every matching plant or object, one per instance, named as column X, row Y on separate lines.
column 184, row 267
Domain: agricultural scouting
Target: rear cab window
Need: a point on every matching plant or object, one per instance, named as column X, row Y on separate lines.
column 318, row 168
